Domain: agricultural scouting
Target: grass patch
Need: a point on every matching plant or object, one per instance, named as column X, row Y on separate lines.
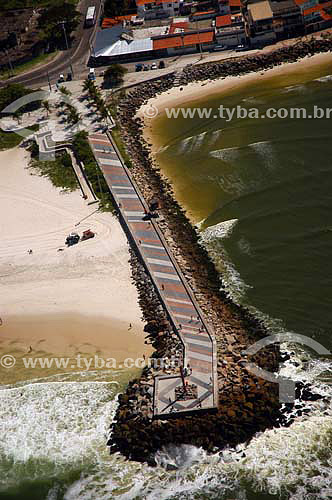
column 21, row 68
column 22, row 4
column 93, row 173
column 9, row 140
column 116, row 134
column 121, row 147
column 59, row 171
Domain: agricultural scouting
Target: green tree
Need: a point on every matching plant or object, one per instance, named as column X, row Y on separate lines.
column 87, row 85
column 14, row 91
column 50, row 23
column 64, row 91
column 46, row 106
column 116, row 7
column 113, row 76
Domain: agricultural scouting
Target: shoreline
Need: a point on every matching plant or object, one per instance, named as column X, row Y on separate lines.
column 247, row 404
column 57, row 301
column 190, row 93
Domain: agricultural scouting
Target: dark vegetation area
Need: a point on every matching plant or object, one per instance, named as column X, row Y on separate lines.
column 14, row 91
column 31, row 28
column 113, row 76
column 9, row 94
column 23, row 4
column 85, row 155
column 59, row 171
column 50, row 24
column 119, row 7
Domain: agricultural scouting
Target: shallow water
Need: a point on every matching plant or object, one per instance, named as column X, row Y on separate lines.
column 270, row 180
column 262, row 197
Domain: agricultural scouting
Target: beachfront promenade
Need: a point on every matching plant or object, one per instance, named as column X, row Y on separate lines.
column 197, row 338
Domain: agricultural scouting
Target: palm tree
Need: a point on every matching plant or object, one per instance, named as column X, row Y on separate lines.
column 64, row 91
column 46, row 106
column 74, row 117
column 104, row 113
column 87, row 85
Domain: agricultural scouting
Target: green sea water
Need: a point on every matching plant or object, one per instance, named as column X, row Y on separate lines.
column 260, row 191
column 266, row 185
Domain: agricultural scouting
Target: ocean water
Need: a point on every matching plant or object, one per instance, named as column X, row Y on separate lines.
column 260, row 194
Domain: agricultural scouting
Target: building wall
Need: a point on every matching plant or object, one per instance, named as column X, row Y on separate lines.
column 263, row 39
column 165, row 9
column 231, row 39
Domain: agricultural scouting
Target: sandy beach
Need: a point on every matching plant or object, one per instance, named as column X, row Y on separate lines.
column 195, row 91
column 78, row 299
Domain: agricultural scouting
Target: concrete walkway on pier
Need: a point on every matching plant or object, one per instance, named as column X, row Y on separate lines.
column 178, row 300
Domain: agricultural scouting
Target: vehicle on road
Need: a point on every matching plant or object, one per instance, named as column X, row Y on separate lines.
column 218, row 48
column 161, row 65
column 138, row 67
column 154, row 66
column 61, row 78
column 90, row 18
column 146, row 67
column 242, row 48
column 92, row 74
column 69, row 77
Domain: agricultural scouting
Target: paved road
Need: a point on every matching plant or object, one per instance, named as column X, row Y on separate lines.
column 79, row 53
column 197, row 338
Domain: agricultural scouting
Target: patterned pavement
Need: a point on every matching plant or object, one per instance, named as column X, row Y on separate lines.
column 197, row 338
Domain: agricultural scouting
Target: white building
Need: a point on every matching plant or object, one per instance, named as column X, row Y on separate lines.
column 157, row 9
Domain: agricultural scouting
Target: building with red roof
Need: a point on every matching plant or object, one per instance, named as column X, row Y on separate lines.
column 188, row 41
column 225, row 20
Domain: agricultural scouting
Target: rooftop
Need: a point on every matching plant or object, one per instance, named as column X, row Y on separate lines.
column 109, row 43
column 182, row 40
column 145, row 2
column 260, row 11
column 223, row 20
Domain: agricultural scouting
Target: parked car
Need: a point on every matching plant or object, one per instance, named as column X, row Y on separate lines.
column 92, row 75
column 61, row 78
column 154, row 66
column 146, row 67
column 138, row 67
column 218, row 47
column 69, row 77
column 161, row 64
column 242, row 48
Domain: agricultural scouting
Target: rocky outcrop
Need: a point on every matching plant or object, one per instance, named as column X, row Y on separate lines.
column 247, row 404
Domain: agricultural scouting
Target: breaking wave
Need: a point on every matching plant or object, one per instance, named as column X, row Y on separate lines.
column 324, row 79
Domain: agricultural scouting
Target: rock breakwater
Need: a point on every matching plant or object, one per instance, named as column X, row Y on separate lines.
column 247, row 404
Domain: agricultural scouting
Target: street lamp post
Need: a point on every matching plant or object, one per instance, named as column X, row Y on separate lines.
column 199, row 41
column 66, row 40
column 11, row 69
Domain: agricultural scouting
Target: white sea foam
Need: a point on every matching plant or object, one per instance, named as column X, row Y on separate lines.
column 266, row 151
column 296, row 461
column 324, row 79
column 294, row 88
column 184, row 145
column 220, row 230
column 63, row 424
column 60, row 425
column 253, row 100
column 212, row 239
column 192, row 143
column 226, row 154
column 215, row 136
column 244, row 246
